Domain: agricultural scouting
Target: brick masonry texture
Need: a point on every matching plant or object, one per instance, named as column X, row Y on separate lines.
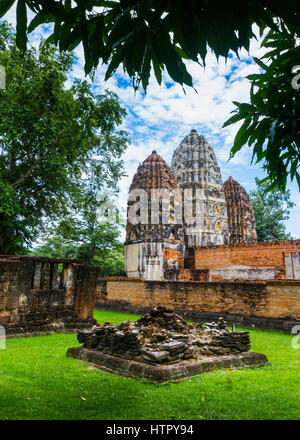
column 31, row 302
column 154, row 251
column 220, row 245
column 160, row 339
column 240, row 212
column 247, row 256
column 264, row 304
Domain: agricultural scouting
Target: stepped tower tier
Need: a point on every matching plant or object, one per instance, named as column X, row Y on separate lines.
column 154, row 247
column 195, row 167
column 241, row 218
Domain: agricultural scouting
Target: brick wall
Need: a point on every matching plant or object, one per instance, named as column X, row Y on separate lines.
column 268, row 304
column 260, row 260
column 173, row 262
column 31, row 301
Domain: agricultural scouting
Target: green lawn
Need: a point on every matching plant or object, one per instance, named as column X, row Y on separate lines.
column 37, row 381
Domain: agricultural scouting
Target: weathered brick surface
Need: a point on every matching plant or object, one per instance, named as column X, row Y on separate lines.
column 154, row 248
column 274, row 304
column 31, row 302
column 250, row 255
column 240, row 212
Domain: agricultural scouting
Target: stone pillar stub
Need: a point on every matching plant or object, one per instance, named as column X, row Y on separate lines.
column 46, row 276
column 54, row 284
column 288, row 267
column 37, row 276
column 296, row 264
column 70, row 285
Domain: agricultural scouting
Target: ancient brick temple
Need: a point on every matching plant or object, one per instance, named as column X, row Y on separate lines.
column 184, row 224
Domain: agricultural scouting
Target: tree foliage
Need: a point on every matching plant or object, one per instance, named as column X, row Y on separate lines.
column 109, row 251
column 87, row 234
column 140, row 34
column 91, row 229
column 49, row 136
column 271, row 121
column 271, row 209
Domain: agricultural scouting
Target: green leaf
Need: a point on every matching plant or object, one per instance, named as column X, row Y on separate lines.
column 254, row 76
column 244, row 107
column 260, row 63
column 115, row 62
column 241, row 137
column 173, row 62
column 233, row 119
column 5, row 5
column 97, row 46
column 295, row 165
column 157, row 70
column 146, row 69
column 21, row 37
column 121, row 30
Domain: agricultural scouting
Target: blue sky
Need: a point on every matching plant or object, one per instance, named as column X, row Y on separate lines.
column 165, row 115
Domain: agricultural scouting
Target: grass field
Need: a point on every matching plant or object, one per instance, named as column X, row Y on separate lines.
column 37, row 381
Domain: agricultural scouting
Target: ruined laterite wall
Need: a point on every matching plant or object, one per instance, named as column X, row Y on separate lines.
column 249, row 261
column 32, row 303
column 268, row 304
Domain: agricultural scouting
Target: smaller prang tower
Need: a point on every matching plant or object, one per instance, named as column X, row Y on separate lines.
column 241, row 218
column 155, row 250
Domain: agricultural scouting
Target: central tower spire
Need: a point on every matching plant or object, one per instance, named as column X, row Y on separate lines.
column 196, row 170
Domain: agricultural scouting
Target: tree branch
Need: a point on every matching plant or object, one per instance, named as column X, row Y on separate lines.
column 33, row 164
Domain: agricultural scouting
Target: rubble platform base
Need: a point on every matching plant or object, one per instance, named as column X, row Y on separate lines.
column 166, row 372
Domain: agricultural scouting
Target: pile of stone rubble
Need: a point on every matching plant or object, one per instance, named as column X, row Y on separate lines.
column 163, row 337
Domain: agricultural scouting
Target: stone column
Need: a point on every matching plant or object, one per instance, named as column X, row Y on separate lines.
column 37, row 276
column 296, row 264
column 54, row 275
column 70, row 285
column 288, row 266
column 46, row 277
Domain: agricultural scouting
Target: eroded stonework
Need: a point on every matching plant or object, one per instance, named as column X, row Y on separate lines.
column 160, row 339
column 154, row 246
column 241, row 218
column 194, row 164
column 32, row 301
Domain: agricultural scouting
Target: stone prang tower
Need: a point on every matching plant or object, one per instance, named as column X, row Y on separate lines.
column 154, row 246
column 195, row 167
column 241, row 218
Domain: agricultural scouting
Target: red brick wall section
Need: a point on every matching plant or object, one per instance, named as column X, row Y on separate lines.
column 101, row 291
column 173, row 262
column 255, row 255
column 185, row 275
column 268, row 299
